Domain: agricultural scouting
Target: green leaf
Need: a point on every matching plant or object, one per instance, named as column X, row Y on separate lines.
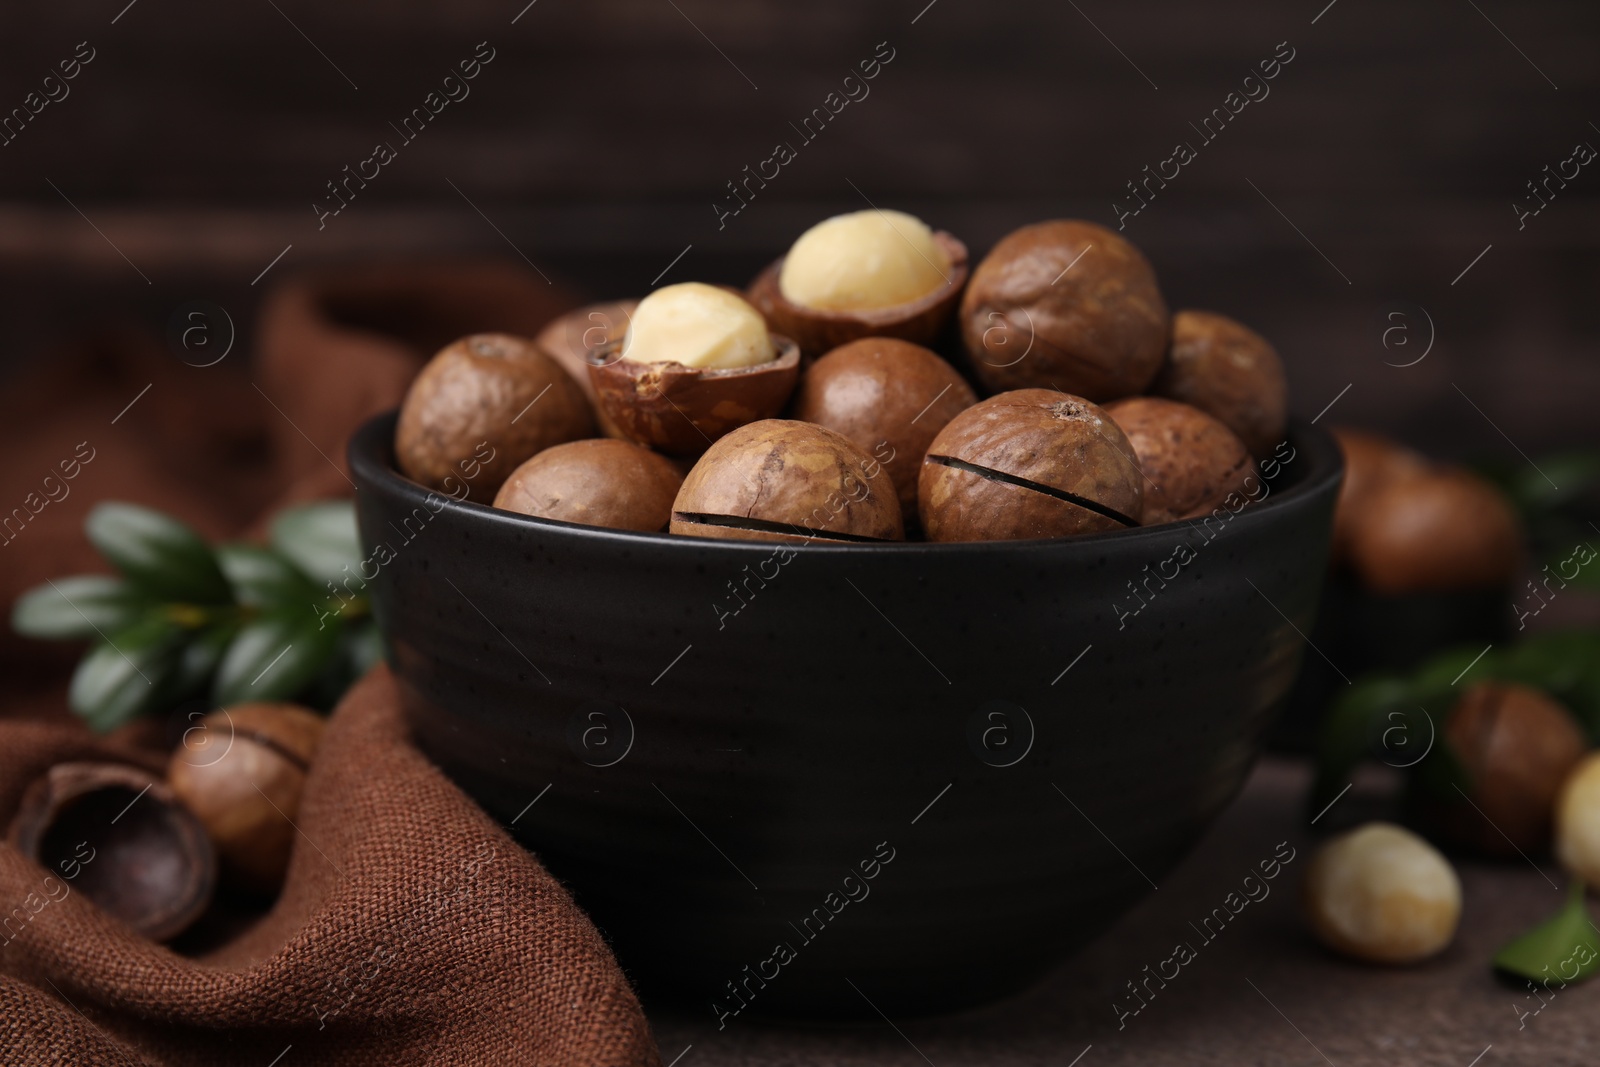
column 1564, row 948
column 364, row 645
column 359, row 648
column 1573, row 472
column 157, row 554
column 197, row 663
column 1350, row 728
column 1552, row 661
column 263, row 578
column 274, row 657
column 1588, row 576
column 127, row 674
column 1455, row 669
column 320, row 539
column 70, row 609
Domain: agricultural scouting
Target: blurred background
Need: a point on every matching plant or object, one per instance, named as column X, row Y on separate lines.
column 1388, row 158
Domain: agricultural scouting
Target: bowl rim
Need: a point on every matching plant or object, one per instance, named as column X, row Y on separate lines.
column 370, row 454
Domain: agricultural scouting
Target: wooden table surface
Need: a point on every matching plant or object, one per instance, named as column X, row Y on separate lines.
column 1261, row 992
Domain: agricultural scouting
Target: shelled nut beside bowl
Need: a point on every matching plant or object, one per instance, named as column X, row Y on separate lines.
column 780, row 747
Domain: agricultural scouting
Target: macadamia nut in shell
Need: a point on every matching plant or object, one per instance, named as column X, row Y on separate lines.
column 1230, row 372
column 1434, row 530
column 891, row 397
column 780, row 480
column 598, row 482
column 1026, row 464
column 479, row 408
column 1514, row 746
column 1192, row 463
column 1065, row 305
column 241, row 771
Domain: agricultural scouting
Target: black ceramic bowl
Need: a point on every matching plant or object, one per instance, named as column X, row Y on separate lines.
column 815, row 780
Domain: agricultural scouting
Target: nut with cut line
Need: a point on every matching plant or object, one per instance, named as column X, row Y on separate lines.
column 779, row 480
column 1031, row 463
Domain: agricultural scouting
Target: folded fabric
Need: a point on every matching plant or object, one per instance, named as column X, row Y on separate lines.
column 411, row 928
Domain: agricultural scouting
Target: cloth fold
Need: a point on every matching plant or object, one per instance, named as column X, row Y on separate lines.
column 411, row 928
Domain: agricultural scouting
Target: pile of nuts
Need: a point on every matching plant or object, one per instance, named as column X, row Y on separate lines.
column 820, row 405
column 1522, row 782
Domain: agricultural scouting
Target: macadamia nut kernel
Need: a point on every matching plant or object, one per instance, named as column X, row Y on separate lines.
column 1578, row 821
column 1382, row 894
column 867, row 259
column 697, row 325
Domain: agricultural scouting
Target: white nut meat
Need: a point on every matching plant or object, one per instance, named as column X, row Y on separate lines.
column 1578, row 821
column 697, row 325
column 864, row 260
column 1382, row 894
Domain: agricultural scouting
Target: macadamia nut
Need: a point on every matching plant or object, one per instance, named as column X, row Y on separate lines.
column 1065, row 305
column 1382, row 894
column 867, row 259
column 1192, row 462
column 1514, row 746
column 479, row 408
column 1437, row 529
column 1578, row 821
column 1230, row 372
column 697, row 325
column 598, row 482
column 241, row 770
column 891, row 397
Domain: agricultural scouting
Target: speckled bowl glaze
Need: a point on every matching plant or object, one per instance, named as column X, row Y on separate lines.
column 836, row 779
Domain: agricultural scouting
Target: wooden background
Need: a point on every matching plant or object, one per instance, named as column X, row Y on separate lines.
column 599, row 137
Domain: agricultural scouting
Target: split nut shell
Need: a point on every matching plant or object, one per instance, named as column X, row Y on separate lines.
column 1030, row 463
column 682, row 410
column 818, row 330
column 780, row 480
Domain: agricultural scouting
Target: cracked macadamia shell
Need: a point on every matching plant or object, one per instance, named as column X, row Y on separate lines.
column 1078, row 471
column 1065, row 305
column 1230, row 372
column 119, row 835
column 570, row 338
column 781, row 480
column 1191, row 461
column 1434, row 529
column 479, row 408
column 681, row 410
column 816, row 330
column 598, row 482
column 1382, row 894
column 889, row 396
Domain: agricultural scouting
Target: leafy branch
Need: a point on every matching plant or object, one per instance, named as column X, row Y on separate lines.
column 185, row 620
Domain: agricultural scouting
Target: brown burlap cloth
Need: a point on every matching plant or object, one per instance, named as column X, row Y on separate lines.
column 411, row 928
